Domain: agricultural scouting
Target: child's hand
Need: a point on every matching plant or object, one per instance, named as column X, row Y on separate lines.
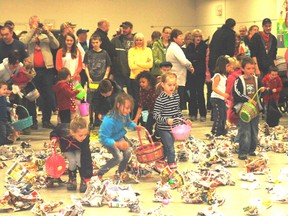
column 170, row 121
column 274, row 90
column 226, row 95
column 15, row 106
column 139, row 127
column 100, row 117
column 188, row 122
column 122, row 144
column 262, row 89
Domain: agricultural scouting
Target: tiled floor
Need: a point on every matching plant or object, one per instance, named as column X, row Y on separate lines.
column 236, row 197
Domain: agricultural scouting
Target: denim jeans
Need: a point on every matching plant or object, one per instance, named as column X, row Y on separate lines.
column 74, row 158
column 120, row 157
column 5, row 131
column 248, row 135
column 168, row 145
column 219, row 116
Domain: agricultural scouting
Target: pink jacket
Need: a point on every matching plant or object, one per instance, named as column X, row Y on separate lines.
column 233, row 75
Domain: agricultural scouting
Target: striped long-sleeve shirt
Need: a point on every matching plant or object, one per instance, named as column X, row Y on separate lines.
column 167, row 107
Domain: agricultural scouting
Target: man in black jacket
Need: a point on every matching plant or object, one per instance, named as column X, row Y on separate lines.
column 263, row 47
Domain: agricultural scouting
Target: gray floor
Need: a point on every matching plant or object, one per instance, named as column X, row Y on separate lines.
column 235, row 196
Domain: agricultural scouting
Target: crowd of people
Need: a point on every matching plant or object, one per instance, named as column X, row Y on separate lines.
column 159, row 79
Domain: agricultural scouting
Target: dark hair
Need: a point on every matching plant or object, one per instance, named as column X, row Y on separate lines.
column 73, row 48
column 63, row 73
column 14, row 58
column 221, row 63
column 166, row 27
column 95, row 37
column 251, row 27
column 247, row 60
column 9, row 23
column 2, row 83
column 155, row 35
column 147, row 75
column 273, row 68
column 230, row 23
column 105, row 86
column 175, row 33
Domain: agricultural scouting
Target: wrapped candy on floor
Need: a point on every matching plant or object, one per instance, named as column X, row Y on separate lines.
column 42, row 207
column 3, row 165
column 257, row 166
column 173, row 178
column 153, row 212
column 280, row 147
column 95, row 192
column 251, row 186
column 134, row 206
column 73, row 210
column 218, row 176
column 210, row 211
column 256, row 206
column 139, row 170
column 162, row 193
column 278, row 193
column 250, row 177
column 125, row 177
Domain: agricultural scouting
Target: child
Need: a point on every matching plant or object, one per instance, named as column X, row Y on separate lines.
column 234, row 72
column 74, row 143
column 104, row 98
column 5, row 129
column 64, row 93
column 112, row 134
column 147, row 98
column 219, row 95
column 97, row 67
column 273, row 84
column 245, row 87
column 165, row 67
column 166, row 109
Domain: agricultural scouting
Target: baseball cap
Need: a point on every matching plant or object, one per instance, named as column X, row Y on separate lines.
column 81, row 30
column 67, row 25
column 126, row 24
column 165, row 64
column 266, row 21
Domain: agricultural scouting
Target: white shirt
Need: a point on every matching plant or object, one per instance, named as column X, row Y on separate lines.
column 221, row 86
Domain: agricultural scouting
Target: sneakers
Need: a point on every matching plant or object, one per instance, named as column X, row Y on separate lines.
column 242, row 156
column 72, row 184
column 83, row 186
column 48, row 125
column 202, row 118
column 173, row 166
column 252, row 154
column 159, row 166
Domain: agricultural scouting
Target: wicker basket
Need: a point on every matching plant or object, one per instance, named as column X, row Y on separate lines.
column 21, row 124
column 149, row 152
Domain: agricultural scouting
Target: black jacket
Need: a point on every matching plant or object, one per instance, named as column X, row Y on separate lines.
column 222, row 43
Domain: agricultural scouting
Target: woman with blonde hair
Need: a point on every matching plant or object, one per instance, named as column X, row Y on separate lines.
column 196, row 54
column 139, row 59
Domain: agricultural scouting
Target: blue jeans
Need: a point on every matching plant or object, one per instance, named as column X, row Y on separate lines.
column 120, row 157
column 219, row 116
column 248, row 135
column 168, row 145
column 5, row 131
column 74, row 158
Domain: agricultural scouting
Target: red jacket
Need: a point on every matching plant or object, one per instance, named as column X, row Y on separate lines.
column 275, row 83
column 64, row 93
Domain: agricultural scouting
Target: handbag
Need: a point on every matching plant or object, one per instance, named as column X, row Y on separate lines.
column 33, row 94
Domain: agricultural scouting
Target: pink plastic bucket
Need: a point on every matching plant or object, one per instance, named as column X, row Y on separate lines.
column 181, row 132
column 84, row 109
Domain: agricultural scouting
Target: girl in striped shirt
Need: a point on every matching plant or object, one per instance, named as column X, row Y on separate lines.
column 166, row 110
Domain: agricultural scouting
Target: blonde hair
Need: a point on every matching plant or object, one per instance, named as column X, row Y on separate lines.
column 78, row 123
column 168, row 75
column 187, row 36
column 139, row 35
column 196, row 32
column 234, row 62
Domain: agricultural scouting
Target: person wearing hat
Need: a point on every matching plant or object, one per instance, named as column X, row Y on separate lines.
column 83, row 46
column 120, row 68
column 64, row 29
column 102, row 31
column 263, row 48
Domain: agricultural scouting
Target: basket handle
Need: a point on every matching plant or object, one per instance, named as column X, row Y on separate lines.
column 24, row 109
column 148, row 134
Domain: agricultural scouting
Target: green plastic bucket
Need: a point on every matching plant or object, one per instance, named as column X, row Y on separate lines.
column 248, row 112
column 82, row 93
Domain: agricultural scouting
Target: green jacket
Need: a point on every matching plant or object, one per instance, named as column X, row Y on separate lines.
column 159, row 56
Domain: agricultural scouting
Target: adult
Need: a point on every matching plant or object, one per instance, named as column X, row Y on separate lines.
column 120, row 68
column 263, row 47
column 139, row 59
column 102, row 31
column 11, row 24
column 64, row 29
column 196, row 53
column 159, row 50
column 154, row 37
column 180, row 63
column 8, row 45
column 83, row 46
column 242, row 32
column 251, row 31
column 39, row 41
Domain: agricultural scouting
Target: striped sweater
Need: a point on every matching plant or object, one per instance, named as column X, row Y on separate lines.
column 167, row 107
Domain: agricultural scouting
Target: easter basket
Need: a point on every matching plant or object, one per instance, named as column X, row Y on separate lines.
column 149, row 152
column 23, row 123
column 182, row 131
column 249, row 111
column 55, row 164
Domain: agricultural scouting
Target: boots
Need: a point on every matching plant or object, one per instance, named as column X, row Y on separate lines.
column 83, row 185
column 72, row 184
